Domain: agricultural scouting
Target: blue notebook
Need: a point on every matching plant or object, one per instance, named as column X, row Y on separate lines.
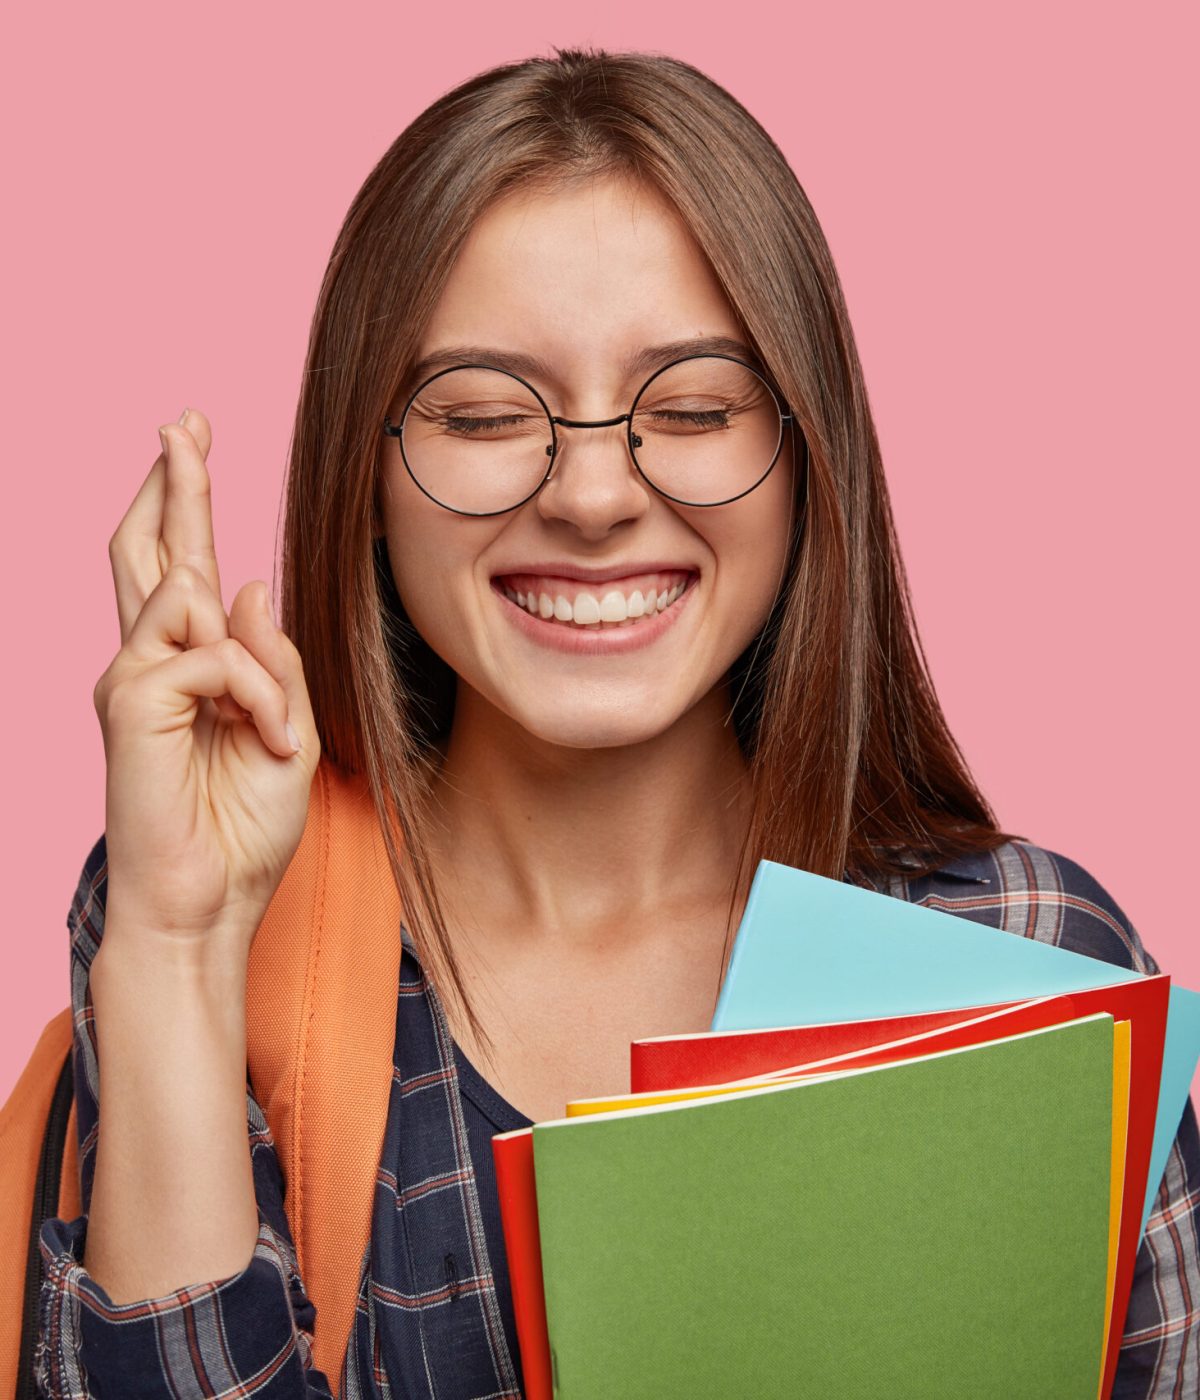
column 811, row 949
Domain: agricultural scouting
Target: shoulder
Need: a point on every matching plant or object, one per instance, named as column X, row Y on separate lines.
column 1027, row 889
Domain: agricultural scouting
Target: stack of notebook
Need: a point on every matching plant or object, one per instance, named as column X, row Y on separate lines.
column 914, row 1156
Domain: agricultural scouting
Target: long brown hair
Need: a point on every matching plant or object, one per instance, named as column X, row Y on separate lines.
column 852, row 766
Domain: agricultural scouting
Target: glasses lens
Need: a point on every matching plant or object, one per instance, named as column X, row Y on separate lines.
column 477, row 440
column 706, row 430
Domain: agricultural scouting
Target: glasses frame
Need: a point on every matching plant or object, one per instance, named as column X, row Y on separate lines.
column 786, row 416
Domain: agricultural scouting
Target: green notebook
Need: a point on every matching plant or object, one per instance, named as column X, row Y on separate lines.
column 932, row 1229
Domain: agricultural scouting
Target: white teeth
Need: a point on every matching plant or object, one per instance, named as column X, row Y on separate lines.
column 613, row 608
column 587, row 610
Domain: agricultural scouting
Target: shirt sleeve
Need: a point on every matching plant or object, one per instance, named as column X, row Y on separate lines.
column 1160, row 1348
column 249, row 1334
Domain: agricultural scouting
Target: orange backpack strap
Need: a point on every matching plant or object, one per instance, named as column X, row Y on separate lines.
column 321, row 997
column 23, row 1125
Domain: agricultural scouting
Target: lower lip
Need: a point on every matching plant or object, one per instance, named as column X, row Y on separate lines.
column 595, row 641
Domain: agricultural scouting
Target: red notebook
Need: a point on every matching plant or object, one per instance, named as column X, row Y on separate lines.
column 512, row 1153
column 716, row 1057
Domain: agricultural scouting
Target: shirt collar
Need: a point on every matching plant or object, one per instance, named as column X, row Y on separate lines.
column 974, row 866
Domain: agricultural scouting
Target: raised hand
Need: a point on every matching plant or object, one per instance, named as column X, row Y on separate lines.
column 206, row 798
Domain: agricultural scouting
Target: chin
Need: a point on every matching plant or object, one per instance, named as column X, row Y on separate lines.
column 581, row 730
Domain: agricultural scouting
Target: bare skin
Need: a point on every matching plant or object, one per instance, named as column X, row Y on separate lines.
column 562, row 1020
column 591, row 807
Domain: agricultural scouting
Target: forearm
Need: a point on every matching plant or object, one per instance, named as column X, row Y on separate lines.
column 173, row 1196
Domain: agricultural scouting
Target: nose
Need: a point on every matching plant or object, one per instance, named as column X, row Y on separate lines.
column 594, row 483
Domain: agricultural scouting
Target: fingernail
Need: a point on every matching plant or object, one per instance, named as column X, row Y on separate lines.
column 162, row 437
column 293, row 738
column 183, row 417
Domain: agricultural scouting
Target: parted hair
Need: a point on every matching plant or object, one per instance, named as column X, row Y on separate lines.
column 852, row 765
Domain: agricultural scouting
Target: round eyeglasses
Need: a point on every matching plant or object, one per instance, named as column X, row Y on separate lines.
column 703, row 430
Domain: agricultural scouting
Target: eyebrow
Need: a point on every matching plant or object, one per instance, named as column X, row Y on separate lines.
column 644, row 361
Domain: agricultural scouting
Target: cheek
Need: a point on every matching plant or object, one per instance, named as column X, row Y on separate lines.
column 416, row 541
column 751, row 550
column 432, row 554
column 424, row 579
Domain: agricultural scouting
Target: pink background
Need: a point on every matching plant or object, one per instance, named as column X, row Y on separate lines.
column 1007, row 194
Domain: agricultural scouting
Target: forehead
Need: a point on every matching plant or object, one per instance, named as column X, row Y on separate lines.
column 591, row 273
column 583, row 222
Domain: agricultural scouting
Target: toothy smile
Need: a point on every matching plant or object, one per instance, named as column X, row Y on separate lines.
column 619, row 603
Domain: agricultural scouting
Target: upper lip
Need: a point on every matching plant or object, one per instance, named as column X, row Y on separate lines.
column 587, row 573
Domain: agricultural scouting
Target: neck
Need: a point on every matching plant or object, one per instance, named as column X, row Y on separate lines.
column 537, row 844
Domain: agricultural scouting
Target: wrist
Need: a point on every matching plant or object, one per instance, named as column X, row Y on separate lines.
column 209, row 967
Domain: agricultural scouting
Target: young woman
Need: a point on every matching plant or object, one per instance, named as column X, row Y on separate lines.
column 619, row 614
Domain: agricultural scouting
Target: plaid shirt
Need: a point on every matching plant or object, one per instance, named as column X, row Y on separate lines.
column 427, row 1322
